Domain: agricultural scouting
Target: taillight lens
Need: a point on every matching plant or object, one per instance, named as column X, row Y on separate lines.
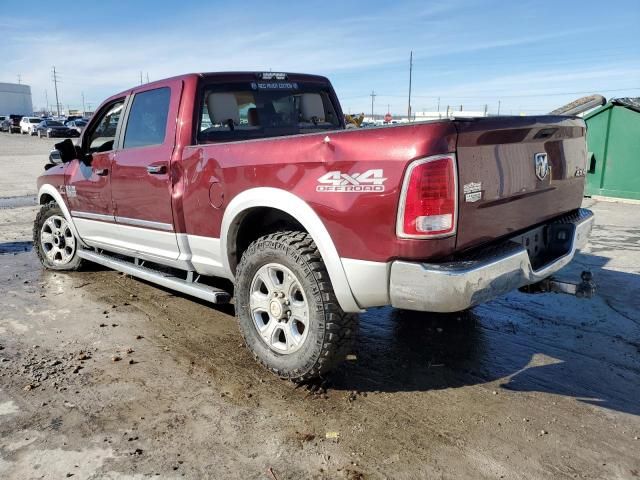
column 428, row 201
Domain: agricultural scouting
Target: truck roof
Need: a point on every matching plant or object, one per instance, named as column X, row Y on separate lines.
column 230, row 76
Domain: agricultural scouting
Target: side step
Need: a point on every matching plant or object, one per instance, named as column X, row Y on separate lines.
column 198, row 290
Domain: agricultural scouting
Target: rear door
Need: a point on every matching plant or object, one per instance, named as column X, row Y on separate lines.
column 516, row 172
column 141, row 181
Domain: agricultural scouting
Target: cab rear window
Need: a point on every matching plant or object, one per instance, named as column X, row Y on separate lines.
column 246, row 110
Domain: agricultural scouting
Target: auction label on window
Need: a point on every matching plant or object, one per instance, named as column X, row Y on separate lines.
column 274, row 85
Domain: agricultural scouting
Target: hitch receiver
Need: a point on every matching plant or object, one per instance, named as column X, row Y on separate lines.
column 586, row 288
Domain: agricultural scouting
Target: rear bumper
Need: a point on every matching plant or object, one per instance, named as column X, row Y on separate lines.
column 455, row 286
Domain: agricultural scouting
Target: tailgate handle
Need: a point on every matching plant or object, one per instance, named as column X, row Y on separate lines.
column 156, row 169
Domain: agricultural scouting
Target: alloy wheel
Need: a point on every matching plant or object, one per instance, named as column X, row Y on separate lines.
column 279, row 308
column 57, row 240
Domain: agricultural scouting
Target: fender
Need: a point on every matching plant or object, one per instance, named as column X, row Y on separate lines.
column 53, row 192
column 296, row 207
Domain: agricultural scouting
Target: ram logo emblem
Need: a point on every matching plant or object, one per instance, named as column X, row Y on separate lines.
column 541, row 162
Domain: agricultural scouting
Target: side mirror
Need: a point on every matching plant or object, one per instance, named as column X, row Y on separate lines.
column 66, row 151
column 55, row 158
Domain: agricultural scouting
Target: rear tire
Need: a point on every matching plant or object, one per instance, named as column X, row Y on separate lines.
column 287, row 310
column 53, row 239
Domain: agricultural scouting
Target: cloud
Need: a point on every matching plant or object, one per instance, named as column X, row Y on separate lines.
column 359, row 49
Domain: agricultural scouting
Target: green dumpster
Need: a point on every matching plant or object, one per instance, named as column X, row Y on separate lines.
column 613, row 141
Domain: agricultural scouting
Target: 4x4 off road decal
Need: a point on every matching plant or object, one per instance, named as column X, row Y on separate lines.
column 336, row 181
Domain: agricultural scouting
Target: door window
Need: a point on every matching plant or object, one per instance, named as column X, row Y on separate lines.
column 147, row 121
column 104, row 134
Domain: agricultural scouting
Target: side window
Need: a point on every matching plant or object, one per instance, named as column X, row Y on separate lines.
column 147, row 121
column 104, row 133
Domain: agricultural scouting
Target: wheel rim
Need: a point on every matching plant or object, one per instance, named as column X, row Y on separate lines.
column 279, row 308
column 57, row 240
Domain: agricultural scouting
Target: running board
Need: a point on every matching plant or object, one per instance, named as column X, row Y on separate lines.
column 198, row 290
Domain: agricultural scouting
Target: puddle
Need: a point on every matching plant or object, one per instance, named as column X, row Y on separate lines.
column 15, row 202
column 15, row 247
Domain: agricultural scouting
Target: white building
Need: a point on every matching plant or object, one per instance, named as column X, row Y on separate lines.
column 15, row 98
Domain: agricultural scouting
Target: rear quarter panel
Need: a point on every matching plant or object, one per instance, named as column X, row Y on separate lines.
column 362, row 225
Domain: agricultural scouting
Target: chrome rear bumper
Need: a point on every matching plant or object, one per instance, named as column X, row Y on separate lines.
column 457, row 285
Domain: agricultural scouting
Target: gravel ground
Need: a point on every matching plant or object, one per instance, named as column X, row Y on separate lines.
column 104, row 376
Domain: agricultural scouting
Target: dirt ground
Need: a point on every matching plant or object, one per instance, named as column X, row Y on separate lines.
column 105, row 376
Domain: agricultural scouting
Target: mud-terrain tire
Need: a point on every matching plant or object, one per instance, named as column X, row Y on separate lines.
column 282, row 347
column 53, row 239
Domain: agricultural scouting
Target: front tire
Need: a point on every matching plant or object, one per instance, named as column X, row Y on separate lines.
column 53, row 239
column 287, row 310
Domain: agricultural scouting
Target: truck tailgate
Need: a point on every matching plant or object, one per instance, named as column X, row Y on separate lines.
column 502, row 189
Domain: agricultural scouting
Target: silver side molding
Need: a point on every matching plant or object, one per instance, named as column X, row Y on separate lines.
column 164, row 279
column 93, row 216
column 138, row 222
column 145, row 223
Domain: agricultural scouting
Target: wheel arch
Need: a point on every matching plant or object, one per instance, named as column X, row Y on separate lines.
column 49, row 193
column 240, row 210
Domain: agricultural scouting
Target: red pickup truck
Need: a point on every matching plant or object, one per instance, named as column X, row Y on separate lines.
column 252, row 177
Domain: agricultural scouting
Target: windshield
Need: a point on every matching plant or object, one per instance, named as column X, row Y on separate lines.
column 80, row 123
column 246, row 110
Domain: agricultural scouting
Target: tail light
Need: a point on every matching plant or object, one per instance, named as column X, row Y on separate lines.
column 429, row 199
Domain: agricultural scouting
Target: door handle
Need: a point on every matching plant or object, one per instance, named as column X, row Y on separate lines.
column 101, row 171
column 156, row 169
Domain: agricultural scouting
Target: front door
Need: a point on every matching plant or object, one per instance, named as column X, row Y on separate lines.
column 88, row 187
column 141, row 181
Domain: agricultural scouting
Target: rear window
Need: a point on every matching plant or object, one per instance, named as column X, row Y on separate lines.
column 53, row 123
column 246, row 110
column 35, row 120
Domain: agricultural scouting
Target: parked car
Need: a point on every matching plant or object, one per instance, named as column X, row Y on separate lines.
column 11, row 124
column 28, row 125
column 76, row 125
column 53, row 128
column 311, row 222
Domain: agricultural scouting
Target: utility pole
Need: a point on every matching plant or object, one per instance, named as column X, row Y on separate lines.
column 19, row 79
column 147, row 77
column 83, row 109
column 410, row 75
column 373, row 96
column 46, row 100
column 438, row 104
column 140, row 77
column 55, row 86
column 498, row 107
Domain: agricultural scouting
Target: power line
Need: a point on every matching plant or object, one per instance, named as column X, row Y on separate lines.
column 56, row 79
column 373, row 96
column 410, row 75
column 484, row 94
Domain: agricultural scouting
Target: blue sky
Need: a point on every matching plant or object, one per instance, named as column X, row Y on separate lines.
column 531, row 55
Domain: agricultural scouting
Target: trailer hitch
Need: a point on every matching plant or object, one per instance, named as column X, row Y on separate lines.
column 586, row 288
